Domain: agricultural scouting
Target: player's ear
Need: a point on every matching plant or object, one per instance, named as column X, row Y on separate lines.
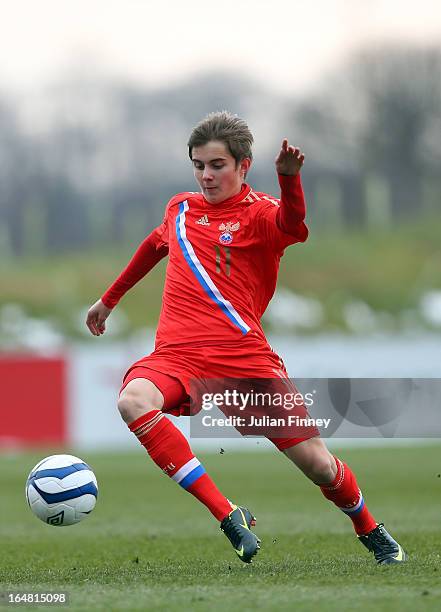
column 245, row 165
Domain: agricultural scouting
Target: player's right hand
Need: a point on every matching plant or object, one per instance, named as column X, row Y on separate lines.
column 96, row 318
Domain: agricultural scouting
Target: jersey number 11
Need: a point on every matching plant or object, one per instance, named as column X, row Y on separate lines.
column 227, row 251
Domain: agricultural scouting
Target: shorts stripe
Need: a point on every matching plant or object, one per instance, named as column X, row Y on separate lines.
column 201, row 274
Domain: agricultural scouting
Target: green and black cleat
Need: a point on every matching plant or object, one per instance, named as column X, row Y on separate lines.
column 386, row 550
column 236, row 526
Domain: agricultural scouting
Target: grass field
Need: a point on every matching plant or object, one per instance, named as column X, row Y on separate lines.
column 150, row 546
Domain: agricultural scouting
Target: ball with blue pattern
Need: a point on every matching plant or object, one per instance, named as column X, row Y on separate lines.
column 61, row 490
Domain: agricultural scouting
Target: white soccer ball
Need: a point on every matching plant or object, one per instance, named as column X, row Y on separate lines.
column 61, row 490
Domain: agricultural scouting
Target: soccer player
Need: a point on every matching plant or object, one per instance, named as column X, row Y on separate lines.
column 224, row 245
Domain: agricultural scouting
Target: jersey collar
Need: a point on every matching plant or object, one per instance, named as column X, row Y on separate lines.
column 230, row 202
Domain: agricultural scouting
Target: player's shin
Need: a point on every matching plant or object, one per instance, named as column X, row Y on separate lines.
column 169, row 449
column 346, row 495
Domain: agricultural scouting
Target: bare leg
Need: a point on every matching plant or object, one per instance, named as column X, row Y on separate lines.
column 138, row 397
column 314, row 459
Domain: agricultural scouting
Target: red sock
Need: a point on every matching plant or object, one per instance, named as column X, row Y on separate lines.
column 346, row 495
column 169, row 449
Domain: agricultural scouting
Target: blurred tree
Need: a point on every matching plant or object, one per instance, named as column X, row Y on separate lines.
column 378, row 116
column 14, row 174
column 402, row 136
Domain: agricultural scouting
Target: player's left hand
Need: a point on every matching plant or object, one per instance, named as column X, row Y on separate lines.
column 289, row 160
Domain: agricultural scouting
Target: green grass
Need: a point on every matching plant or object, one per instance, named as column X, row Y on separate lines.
column 389, row 269
column 150, row 546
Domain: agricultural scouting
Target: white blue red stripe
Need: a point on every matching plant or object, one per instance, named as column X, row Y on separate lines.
column 189, row 473
column 201, row 274
column 357, row 508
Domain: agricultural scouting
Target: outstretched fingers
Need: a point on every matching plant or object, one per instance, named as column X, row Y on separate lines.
column 290, row 159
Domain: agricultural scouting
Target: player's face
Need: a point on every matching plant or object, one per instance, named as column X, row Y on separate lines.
column 216, row 171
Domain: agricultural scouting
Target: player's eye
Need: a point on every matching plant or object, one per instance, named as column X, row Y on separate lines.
column 198, row 166
column 218, row 166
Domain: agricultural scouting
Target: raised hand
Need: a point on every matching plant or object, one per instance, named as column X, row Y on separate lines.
column 289, row 160
column 96, row 318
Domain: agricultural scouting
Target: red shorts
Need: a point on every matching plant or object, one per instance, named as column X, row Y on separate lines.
column 171, row 369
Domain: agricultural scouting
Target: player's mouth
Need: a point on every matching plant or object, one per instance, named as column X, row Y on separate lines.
column 210, row 191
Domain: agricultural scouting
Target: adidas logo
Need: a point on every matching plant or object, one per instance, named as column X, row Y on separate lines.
column 203, row 221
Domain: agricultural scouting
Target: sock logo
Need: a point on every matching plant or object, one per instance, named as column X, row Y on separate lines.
column 169, row 467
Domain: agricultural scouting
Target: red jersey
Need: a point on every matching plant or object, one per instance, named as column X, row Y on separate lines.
column 223, row 262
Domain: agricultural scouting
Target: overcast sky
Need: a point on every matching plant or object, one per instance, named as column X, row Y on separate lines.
column 287, row 43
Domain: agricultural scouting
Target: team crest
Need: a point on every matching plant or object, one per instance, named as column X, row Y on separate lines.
column 227, row 230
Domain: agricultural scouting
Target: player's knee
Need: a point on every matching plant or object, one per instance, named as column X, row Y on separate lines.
column 132, row 405
column 322, row 469
column 314, row 459
column 137, row 398
column 124, row 407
